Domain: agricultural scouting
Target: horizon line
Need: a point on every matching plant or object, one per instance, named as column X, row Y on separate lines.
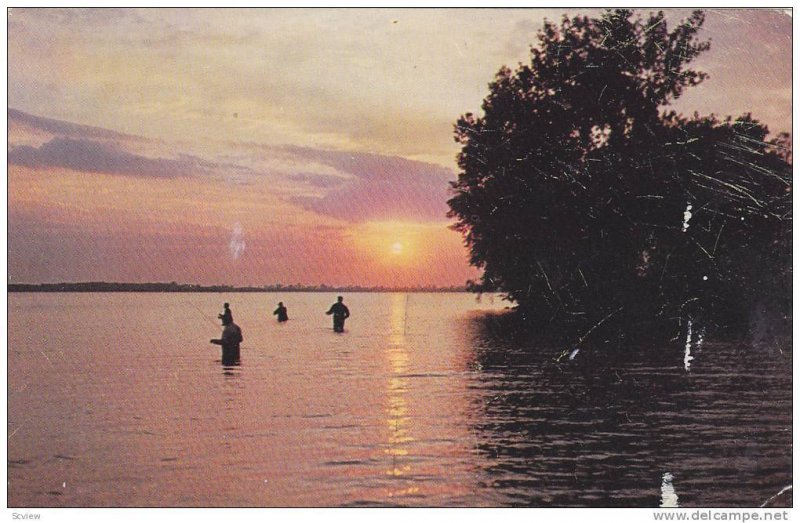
column 100, row 286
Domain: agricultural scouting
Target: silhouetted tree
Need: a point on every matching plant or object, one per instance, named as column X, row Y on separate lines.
column 579, row 195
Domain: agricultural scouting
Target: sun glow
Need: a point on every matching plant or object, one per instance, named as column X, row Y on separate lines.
column 396, row 253
column 397, row 244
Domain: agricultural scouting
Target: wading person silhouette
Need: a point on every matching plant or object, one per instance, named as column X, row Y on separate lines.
column 281, row 312
column 230, row 340
column 227, row 315
column 340, row 313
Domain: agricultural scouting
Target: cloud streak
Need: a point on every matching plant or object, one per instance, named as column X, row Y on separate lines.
column 97, row 157
column 66, row 129
column 323, row 181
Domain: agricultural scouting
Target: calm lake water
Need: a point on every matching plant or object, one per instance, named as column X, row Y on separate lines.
column 118, row 399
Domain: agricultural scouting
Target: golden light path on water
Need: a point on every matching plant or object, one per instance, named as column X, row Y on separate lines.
column 397, row 413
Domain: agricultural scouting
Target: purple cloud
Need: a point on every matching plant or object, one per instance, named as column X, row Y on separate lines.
column 324, row 181
column 97, row 157
column 383, row 187
column 62, row 128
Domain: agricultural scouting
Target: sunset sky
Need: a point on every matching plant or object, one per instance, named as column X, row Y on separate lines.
column 253, row 147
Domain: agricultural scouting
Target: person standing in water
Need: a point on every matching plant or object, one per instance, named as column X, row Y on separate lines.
column 340, row 313
column 230, row 340
column 227, row 315
column 281, row 313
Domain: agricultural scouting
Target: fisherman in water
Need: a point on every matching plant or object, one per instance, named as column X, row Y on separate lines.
column 230, row 340
column 340, row 313
column 281, row 313
column 227, row 315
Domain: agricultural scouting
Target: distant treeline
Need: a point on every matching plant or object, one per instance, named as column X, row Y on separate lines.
column 183, row 287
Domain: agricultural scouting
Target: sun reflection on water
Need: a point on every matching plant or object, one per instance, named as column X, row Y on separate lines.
column 398, row 419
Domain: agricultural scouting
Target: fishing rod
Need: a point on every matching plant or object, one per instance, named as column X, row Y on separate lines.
column 203, row 314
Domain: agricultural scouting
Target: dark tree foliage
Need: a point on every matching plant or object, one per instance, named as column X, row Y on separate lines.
column 581, row 196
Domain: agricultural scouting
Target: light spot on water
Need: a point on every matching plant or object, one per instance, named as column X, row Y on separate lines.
column 687, row 355
column 574, row 353
column 687, row 215
column 669, row 499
